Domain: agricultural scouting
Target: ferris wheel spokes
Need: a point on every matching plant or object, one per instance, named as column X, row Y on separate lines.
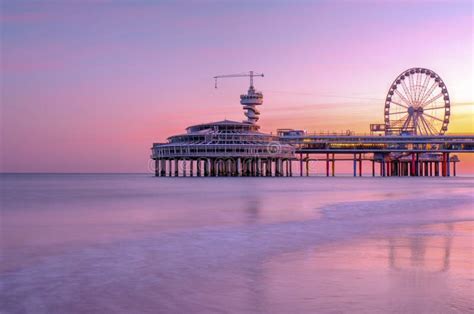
column 430, row 126
column 407, row 93
column 417, row 103
column 430, row 91
column 432, row 100
column 402, row 97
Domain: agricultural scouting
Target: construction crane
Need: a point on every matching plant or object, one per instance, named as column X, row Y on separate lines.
column 250, row 74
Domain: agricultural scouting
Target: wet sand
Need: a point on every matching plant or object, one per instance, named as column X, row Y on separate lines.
column 134, row 243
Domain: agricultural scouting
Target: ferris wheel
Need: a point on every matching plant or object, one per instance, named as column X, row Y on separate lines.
column 417, row 103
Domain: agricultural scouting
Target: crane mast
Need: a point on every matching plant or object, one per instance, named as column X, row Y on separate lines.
column 249, row 101
column 250, row 74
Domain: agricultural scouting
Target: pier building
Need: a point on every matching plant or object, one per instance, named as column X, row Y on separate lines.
column 226, row 148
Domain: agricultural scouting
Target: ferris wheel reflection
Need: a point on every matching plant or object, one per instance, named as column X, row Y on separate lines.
column 422, row 251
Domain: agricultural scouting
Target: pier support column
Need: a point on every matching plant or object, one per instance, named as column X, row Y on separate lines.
column 301, row 165
column 454, row 168
column 206, row 167
column 191, row 168
column 327, row 165
column 360, row 165
column 417, row 165
column 238, row 167
column 229, row 167
column 157, row 167
column 307, row 166
column 448, row 166
column 373, row 167
column 382, row 167
column 354, row 165
column 333, row 165
column 184, row 167
column 291, row 168
column 170, row 163
column 176, row 167
column 198, row 167
column 163, row 168
column 443, row 165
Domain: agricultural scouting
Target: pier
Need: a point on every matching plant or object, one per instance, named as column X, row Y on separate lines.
column 410, row 142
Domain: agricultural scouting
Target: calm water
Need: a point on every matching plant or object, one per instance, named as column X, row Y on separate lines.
column 135, row 244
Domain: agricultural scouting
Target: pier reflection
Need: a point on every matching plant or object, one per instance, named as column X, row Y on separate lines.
column 431, row 253
column 416, row 271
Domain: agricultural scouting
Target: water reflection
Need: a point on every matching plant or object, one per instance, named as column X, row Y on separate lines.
column 436, row 259
column 411, row 272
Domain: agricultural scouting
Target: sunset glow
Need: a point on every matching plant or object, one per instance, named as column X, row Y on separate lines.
column 87, row 87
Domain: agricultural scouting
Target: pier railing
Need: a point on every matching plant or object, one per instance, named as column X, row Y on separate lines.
column 372, row 144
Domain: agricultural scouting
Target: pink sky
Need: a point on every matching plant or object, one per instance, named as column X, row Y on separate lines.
column 89, row 86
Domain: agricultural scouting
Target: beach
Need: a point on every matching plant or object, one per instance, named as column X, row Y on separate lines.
column 134, row 243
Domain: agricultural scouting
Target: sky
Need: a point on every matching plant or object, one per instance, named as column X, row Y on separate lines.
column 88, row 86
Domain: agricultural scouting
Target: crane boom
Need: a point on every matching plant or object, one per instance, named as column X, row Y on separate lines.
column 250, row 74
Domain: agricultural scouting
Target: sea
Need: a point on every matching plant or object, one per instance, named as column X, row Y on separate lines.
column 134, row 243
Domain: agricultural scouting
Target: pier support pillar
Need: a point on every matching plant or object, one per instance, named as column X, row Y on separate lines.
column 448, row 166
column 198, row 167
column 454, row 168
column 176, row 167
column 373, row 168
column 184, row 167
column 354, row 165
column 333, row 166
column 238, row 167
column 157, row 167
column 301, row 165
column 291, row 168
column 327, row 165
column 229, row 167
column 443, row 165
column 360, row 165
column 307, row 166
column 170, row 163
column 191, row 168
column 163, row 168
column 206, row 167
